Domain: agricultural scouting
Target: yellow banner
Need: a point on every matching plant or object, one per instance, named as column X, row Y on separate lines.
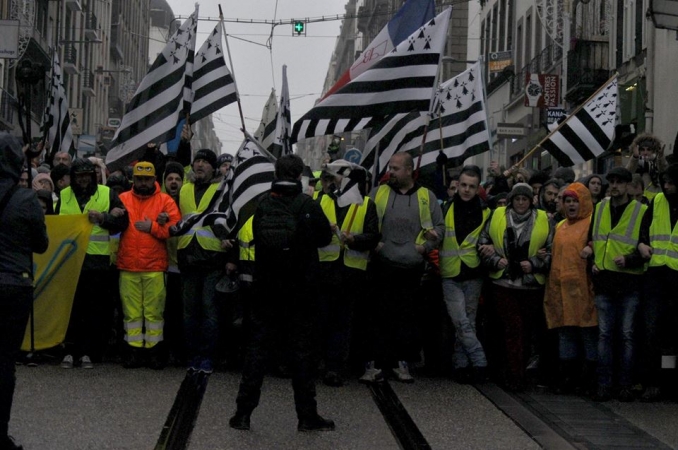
column 56, row 276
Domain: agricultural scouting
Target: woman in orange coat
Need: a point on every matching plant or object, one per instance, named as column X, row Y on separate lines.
column 568, row 302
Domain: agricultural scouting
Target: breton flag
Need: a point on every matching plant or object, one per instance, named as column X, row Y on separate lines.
column 213, row 84
column 156, row 107
column 253, row 173
column 458, row 127
column 401, row 81
column 589, row 131
column 216, row 211
column 283, row 121
column 56, row 124
column 410, row 17
column 353, row 181
column 265, row 133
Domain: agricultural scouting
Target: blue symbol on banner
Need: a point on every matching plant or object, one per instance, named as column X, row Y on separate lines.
column 353, row 155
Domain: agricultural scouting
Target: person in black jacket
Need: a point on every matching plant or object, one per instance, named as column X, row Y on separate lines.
column 22, row 232
column 284, row 300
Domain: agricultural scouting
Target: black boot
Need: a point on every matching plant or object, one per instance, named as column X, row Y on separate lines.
column 315, row 423
column 240, row 421
column 568, row 377
column 587, row 380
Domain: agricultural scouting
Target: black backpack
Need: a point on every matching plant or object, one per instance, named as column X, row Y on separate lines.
column 278, row 223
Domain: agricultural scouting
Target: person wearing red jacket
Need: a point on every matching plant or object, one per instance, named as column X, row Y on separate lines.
column 142, row 261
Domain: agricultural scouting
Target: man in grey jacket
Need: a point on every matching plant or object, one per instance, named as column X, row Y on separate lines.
column 22, row 232
column 412, row 225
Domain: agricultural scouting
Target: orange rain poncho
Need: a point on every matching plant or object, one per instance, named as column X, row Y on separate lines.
column 568, row 299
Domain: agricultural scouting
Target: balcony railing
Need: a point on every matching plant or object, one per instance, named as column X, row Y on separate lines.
column 70, row 59
column 7, row 108
column 542, row 63
column 88, row 83
column 588, row 69
column 91, row 30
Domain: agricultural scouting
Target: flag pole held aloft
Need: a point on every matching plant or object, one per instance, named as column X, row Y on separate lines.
column 228, row 49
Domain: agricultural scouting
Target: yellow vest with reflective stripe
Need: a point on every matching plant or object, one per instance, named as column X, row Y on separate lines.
column 663, row 240
column 246, row 240
column 99, row 239
column 619, row 241
column 355, row 219
column 381, row 201
column 452, row 254
column 540, row 232
column 205, row 236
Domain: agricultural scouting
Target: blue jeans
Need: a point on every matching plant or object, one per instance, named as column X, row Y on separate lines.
column 461, row 299
column 616, row 315
column 572, row 340
column 201, row 315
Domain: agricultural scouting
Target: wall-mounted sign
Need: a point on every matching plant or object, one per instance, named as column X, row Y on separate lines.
column 542, row 90
column 498, row 61
column 9, row 39
column 511, row 130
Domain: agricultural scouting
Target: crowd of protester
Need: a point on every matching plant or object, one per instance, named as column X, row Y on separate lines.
column 522, row 277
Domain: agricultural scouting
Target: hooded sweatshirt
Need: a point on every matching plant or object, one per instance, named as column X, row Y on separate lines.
column 22, row 222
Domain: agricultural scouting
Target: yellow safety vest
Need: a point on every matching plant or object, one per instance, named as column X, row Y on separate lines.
column 452, row 254
column 99, row 239
column 663, row 241
column 540, row 232
column 205, row 236
column 608, row 242
column 356, row 222
column 246, row 240
column 381, row 201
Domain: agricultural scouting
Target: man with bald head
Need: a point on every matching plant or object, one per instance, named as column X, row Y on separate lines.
column 412, row 225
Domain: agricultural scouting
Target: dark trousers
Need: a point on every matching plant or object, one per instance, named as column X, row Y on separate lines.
column 174, row 318
column 91, row 319
column 520, row 316
column 201, row 312
column 277, row 310
column 15, row 304
column 394, row 323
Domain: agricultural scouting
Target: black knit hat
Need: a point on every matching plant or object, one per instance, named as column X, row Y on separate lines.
column 173, row 167
column 619, row 172
column 207, row 155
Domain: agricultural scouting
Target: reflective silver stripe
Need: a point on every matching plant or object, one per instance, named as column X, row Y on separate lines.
column 624, row 239
column 246, row 277
column 244, row 244
column 133, row 325
column 452, row 253
column 99, row 237
column 450, row 233
column 135, row 338
column 356, row 254
column 472, row 239
column 671, row 254
column 634, row 219
column 155, row 325
column 330, row 249
column 154, row 338
column 599, row 216
column 660, row 237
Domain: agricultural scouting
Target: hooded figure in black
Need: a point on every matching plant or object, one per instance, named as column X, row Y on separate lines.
column 92, row 313
column 22, row 233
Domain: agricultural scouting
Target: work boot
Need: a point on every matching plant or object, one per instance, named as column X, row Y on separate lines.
column 315, row 423
column 240, row 421
column 133, row 360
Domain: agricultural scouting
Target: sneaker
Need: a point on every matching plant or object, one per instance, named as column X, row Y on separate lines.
column 7, row 443
column 402, row 373
column 651, row 394
column 67, row 362
column 86, row 363
column 602, row 394
column 206, row 366
column 625, row 395
column 316, row 423
column 372, row 374
column 194, row 364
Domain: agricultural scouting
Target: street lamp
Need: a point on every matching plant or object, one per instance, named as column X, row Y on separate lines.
column 27, row 75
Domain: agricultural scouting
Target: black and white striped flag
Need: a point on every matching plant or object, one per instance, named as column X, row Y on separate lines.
column 253, row 173
column 213, row 85
column 56, row 125
column 588, row 132
column 283, row 122
column 162, row 95
column 458, row 127
column 265, row 133
column 401, row 81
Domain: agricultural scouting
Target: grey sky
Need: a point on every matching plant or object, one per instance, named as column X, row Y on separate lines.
column 307, row 58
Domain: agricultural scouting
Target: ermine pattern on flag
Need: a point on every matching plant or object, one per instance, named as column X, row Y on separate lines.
column 57, row 120
column 283, row 123
column 213, row 84
column 265, row 133
column 154, row 111
column 401, row 81
column 587, row 133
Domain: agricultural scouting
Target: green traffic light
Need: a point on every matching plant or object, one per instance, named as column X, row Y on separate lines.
column 299, row 27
